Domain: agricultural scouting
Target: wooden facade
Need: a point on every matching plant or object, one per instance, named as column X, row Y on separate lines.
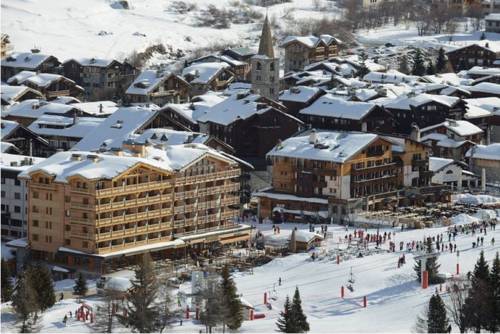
column 298, row 54
column 473, row 55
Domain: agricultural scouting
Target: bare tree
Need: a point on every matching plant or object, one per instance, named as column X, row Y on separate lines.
column 107, row 311
column 455, row 304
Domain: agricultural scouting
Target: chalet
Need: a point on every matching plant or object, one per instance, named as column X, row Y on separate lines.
column 479, row 72
column 339, row 173
column 185, row 116
column 14, row 94
column 485, row 113
column 306, row 78
column 469, row 56
column 208, row 76
column 50, row 85
column 28, row 61
column 492, row 22
column 391, row 76
column 250, row 123
column 101, row 78
column 159, row 88
column 333, row 113
column 485, row 89
column 299, row 97
column 241, row 69
column 63, row 132
column 423, row 110
column 301, row 51
column 453, row 173
column 485, row 159
column 25, row 140
column 241, row 54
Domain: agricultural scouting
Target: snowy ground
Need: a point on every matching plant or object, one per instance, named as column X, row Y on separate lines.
column 72, row 28
column 394, row 296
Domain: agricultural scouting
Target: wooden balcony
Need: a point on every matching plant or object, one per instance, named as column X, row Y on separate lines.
column 131, row 188
column 133, row 203
column 82, row 206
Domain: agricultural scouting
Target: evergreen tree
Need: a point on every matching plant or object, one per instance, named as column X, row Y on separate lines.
column 431, row 265
column 142, row 310
column 431, row 70
column 284, row 322
column 441, row 61
column 363, row 70
column 232, row 313
column 24, row 301
column 403, row 65
column 80, row 289
column 298, row 318
column 493, row 323
column 418, row 64
column 6, row 282
column 476, row 308
column 437, row 321
column 43, row 285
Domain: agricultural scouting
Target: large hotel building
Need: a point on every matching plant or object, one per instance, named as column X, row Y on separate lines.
column 96, row 211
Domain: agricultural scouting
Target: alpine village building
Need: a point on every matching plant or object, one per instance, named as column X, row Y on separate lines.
column 96, row 211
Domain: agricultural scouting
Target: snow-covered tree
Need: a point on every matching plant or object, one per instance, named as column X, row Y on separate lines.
column 437, row 320
column 299, row 319
column 80, row 289
column 284, row 322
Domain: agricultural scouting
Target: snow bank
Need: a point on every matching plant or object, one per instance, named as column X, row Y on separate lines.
column 476, row 199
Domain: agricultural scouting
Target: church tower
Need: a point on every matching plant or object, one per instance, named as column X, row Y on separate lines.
column 265, row 66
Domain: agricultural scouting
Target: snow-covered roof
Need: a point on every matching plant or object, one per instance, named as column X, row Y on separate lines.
column 492, row 104
column 311, row 41
column 329, row 146
column 330, row 106
column 485, row 87
column 203, row 73
column 42, row 80
column 489, row 152
column 97, row 107
column 460, row 127
column 116, row 128
column 474, row 111
column 447, row 79
column 306, row 236
column 171, row 137
column 56, row 125
column 65, row 100
column 290, row 197
column 406, row 102
column 147, row 81
column 299, row 94
column 484, row 71
column 8, row 127
column 443, row 140
column 11, row 93
column 492, row 17
column 26, row 60
column 18, row 162
column 97, row 62
column 6, row 147
column 34, row 108
column 224, row 58
column 198, row 106
column 234, row 108
column 435, row 163
column 391, row 76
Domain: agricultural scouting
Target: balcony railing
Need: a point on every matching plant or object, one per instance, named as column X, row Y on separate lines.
column 133, row 188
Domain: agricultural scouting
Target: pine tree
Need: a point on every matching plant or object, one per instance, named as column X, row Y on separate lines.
column 142, row 310
column 80, row 289
column 43, row 285
column 441, row 61
column 284, row 322
column 418, row 64
column 6, row 282
column 493, row 323
column 403, row 65
column 431, row 265
column 24, row 301
column 437, row 320
column 232, row 313
column 476, row 306
column 299, row 319
column 431, row 70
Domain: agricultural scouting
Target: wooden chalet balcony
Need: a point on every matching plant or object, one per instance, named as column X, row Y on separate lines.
column 230, row 214
column 55, row 93
column 82, row 206
column 207, row 177
column 133, row 217
column 84, row 235
column 133, row 202
column 384, row 178
column 81, row 190
column 80, row 220
column 419, row 162
column 133, row 188
column 371, row 168
column 113, row 234
column 46, row 186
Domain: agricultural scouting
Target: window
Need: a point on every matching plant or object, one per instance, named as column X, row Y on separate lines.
column 85, row 200
column 67, row 199
column 67, row 242
column 17, row 182
column 17, row 195
column 48, row 196
column 3, row 194
column 48, row 225
column 35, row 209
column 3, row 180
column 48, row 239
column 85, row 244
column 17, row 209
column 35, row 194
column 67, row 227
column 35, row 223
column 34, row 237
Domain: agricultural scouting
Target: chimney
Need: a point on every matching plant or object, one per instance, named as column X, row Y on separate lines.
column 313, row 138
column 100, row 108
column 76, row 157
column 93, row 157
column 415, row 133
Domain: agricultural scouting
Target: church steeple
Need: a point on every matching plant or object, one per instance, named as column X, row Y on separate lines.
column 266, row 40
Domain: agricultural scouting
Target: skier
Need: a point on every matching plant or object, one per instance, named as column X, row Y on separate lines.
column 65, row 319
column 279, row 281
column 493, row 241
column 61, row 296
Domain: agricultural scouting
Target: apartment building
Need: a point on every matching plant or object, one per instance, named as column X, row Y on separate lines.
column 332, row 174
column 14, row 194
column 95, row 212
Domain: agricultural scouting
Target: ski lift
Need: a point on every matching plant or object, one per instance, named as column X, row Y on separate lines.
column 350, row 282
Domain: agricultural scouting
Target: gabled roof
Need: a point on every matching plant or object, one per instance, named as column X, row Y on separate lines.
column 25, row 60
column 311, row 41
column 198, row 106
column 330, row 106
column 391, row 76
column 485, row 87
column 406, row 102
column 204, row 73
column 171, row 137
column 55, row 125
column 8, row 127
column 489, row 152
column 116, row 128
column 332, row 146
column 437, row 164
column 460, row 127
column 299, row 94
column 97, row 62
column 42, row 80
column 35, row 108
column 148, row 80
column 11, row 94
